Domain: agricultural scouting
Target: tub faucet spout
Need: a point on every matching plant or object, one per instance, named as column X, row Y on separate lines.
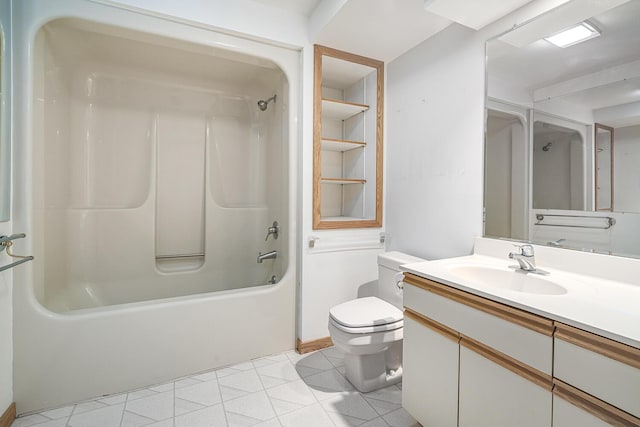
column 268, row 255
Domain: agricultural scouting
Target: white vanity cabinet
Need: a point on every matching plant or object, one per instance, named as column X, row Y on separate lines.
column 470, row 365
column 473, row 362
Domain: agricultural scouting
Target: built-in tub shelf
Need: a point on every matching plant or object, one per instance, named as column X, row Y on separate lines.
column 342, row 181
column 330, row 144
column 341, row 110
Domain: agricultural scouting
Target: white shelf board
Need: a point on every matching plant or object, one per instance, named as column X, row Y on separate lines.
column 342, row 181
column 341, row 110
column 329, row 144
column 342, row 218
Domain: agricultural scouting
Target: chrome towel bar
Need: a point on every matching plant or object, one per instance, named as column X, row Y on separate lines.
column 5, row 243
column 610, row 222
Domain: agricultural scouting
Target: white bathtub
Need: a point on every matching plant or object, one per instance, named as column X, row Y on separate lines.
column 146, row 180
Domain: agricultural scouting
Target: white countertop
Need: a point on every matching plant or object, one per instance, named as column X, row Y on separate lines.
column 604, row 307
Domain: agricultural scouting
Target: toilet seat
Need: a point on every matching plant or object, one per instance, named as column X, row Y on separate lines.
column 366, row 315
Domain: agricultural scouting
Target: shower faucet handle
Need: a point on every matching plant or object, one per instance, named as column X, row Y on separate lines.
column 274, row 229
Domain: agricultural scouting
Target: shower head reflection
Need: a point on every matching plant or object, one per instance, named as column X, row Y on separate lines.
column 262, row 104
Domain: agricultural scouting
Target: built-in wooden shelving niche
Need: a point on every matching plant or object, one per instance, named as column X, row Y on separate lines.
column 347, row 140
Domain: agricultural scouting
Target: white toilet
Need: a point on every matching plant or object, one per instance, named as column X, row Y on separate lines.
column 368, row 331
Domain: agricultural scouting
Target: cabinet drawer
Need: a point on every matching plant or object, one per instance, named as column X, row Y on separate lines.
column 518, row 334
column 601, row 367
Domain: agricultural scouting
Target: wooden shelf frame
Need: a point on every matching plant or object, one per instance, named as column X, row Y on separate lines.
column 378, row 66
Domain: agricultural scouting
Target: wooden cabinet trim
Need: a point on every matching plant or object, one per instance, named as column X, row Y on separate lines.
column 511, row 314
column 318, row 223
column 313, row 345
column 596, row 407
column 439, row 328
column 334, row 225
column 604, row 346
column 9, row 416
column 317, row 133
column 525, row 371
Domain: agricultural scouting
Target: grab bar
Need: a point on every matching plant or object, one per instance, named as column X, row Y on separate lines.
column 5, row 243
column 610, row 221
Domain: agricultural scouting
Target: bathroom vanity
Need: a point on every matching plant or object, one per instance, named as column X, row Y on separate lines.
column 488, row 345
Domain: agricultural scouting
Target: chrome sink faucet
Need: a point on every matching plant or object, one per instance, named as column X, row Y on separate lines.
column 525, row 257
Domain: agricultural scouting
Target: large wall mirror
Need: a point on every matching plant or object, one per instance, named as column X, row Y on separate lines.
column 562, row 145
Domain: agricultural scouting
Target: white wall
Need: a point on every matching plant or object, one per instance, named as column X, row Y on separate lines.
column 435, row 96
column 6, row 309
column 435, row 127
column 243, row 17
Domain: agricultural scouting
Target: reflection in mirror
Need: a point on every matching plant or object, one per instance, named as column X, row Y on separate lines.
column 604, row 167
column 505, row 195
column 558, row 167
column 581, row 105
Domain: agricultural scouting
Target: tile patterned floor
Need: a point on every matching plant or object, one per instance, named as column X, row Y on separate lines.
column 287, row 389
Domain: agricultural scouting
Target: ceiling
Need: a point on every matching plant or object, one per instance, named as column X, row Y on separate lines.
column 597, row 74
column 385, row 29
column 540, row 64
column 304, row 7
column 380, row 29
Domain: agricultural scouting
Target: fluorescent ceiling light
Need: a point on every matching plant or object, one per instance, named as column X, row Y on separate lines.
column 574, row 35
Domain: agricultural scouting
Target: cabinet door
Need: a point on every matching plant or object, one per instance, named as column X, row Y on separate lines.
column 492, row 395
column 430, row 373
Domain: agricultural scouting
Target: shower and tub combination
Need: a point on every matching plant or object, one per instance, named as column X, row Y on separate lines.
column 156, row 187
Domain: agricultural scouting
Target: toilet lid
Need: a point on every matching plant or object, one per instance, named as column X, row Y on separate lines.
column 364, row 312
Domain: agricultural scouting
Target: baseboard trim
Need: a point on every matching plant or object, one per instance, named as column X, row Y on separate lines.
column 309, row 346
column 9, row 416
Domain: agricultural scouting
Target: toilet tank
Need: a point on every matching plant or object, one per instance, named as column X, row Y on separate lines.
column 388, row 266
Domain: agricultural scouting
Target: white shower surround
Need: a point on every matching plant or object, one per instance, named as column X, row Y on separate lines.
column 130, row 323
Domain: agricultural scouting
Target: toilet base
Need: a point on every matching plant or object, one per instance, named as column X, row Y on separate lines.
column 370, row 372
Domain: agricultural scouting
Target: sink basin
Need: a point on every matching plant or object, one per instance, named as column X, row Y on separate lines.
column 513, row 280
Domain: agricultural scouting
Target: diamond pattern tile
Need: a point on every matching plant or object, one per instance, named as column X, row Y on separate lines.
column 281, row 390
